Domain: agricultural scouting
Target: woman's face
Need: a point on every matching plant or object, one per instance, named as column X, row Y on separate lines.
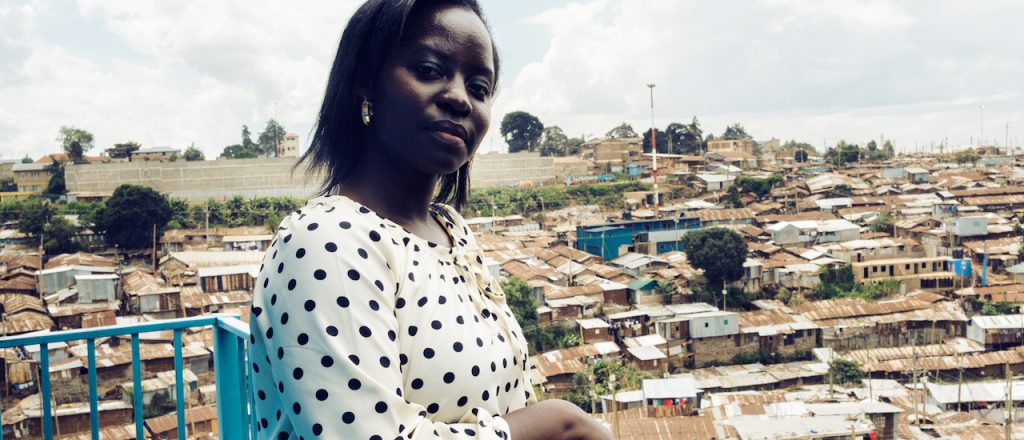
column 432, row 102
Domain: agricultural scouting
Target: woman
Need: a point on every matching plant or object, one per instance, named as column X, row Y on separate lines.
column 373, row 317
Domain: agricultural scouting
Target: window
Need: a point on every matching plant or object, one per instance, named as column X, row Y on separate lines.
column 726, row 322
column 705, row 325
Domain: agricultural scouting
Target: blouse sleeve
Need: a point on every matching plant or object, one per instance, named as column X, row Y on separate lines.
column 326, row 362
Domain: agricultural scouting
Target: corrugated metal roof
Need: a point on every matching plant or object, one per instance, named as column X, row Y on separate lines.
column 1005, row 322
column 773, row 322
column 850, row 307
column 946, row 348
column 646, row 353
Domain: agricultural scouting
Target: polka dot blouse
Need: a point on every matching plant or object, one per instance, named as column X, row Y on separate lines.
column 362, row 330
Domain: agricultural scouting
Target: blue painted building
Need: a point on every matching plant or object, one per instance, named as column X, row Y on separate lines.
column 605, row 240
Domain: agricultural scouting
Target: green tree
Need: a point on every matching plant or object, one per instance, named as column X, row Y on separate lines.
column 735, row 132
column 793, row 145
column 193, row 154
column 129, row 215
column 1000, row 308
column 123, row 150
column 237, row 151
column 180, row 214
column 621, row 131
column 26, row 159
column 889, row 149
column 75, row 142
column 834, row 281
column 760, row 187
column 86, row 212
column 271, row 136
column 719, row 252
column 843, row 154
column 675, row 134
column 872, row 146
column 56, row 186
column 732, row 198
column 968, row 156
column 522, row 131
column 61, row 236
column 247, row 142
column 554, row 142
column 883, row 223
column 685, row 138
column 800, row 156
column 660, row 137
column 34, row 218
column 845, row 371
column 573, row 146
column 627, row 377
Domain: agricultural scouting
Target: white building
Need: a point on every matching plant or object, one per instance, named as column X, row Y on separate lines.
column 812, row 232
column 968, row 226
column 715, row 182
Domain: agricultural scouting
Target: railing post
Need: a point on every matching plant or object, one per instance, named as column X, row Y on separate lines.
column 140, row 421
column 44, row 391
column 231, row 402
column 94, row 414
column 179, row 387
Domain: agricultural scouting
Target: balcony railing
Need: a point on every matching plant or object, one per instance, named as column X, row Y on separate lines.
column 231, row 371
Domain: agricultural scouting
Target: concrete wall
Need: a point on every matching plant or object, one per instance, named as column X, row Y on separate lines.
column 197, row 180
column 492, row 170
column 262, row 177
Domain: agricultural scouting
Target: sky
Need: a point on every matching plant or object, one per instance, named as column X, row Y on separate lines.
column 174, row 72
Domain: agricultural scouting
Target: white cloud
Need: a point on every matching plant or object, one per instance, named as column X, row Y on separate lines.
column 197, row 72
column 177, row 71
column 800, row 69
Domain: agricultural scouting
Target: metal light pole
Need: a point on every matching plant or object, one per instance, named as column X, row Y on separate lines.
column 654, row 153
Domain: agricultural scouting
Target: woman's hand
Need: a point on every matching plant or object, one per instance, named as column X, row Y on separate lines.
column 555, row 419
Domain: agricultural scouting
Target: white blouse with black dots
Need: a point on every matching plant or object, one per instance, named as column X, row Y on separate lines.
column 362, row 330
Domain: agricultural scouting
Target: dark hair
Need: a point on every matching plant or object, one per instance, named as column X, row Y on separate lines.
column 372, row 34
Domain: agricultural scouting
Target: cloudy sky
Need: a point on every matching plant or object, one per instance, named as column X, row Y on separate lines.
column 169, row 73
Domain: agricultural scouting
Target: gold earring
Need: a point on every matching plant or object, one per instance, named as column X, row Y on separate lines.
column 367, row 112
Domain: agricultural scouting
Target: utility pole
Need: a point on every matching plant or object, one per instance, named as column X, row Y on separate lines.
column 654, row 153
column 1008, row 409
column 917, row 415
column 960, row 381
column 615, row 403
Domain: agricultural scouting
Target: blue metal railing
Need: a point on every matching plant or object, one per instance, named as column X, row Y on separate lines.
column 230, row 336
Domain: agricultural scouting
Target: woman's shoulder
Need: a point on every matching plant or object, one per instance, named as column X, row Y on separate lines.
column 337, row 223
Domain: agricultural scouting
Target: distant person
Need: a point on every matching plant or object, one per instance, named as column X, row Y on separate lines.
column 373, row 316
